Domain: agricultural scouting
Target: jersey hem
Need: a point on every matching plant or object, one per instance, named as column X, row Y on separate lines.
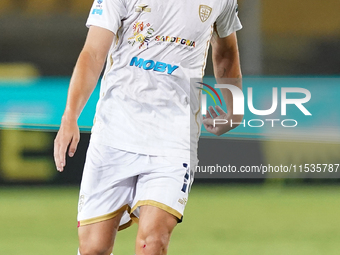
column 105, row 217
column 227, row 32
column 143, row 150
column 158, row 205
column 102, row 25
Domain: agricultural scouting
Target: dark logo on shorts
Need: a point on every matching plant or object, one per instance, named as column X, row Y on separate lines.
column 186, row 178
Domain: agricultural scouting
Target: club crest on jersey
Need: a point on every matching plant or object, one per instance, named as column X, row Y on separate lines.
column 204, row 12
column 141, row 34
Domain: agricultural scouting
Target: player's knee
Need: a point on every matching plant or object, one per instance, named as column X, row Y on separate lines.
column 154, row 242
column 93, row 250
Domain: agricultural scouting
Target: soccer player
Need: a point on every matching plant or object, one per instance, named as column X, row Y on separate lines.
column 143, row 148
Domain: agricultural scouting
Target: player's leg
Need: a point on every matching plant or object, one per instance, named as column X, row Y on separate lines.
column 154, row 231
column 106, row 191
column 98, row 238
column 161, row 195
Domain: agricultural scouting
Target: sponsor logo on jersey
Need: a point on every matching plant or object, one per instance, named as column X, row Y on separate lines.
column 142, row 8
column 204, row 12
column 141, row 34
column 176, row 40
column 97, row 11
column 149, row 65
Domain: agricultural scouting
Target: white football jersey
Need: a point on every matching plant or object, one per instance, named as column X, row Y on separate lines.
column 149, row 100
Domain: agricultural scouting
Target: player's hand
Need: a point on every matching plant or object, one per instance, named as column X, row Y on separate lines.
column 219, row 122
column 68, row 136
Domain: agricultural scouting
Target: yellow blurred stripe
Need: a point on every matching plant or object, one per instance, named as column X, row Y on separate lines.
column 18, row 71
column 81, row 6
column 42, row 7
column 6, row 6
column 308, row 18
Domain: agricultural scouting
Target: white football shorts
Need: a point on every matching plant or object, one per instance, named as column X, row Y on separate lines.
column 117, row 181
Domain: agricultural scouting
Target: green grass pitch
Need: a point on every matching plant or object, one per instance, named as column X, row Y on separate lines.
column 218, row 220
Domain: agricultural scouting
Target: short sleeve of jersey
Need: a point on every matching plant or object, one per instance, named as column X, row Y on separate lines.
column 228, row 21
column 107, row 14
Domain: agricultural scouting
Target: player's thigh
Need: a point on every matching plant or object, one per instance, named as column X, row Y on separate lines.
column 107, row 186
column 155, row 225
column 166, row 186
column 154, row 218
column 98, row 238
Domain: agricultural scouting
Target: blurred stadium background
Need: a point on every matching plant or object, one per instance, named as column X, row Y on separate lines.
column 39, row 44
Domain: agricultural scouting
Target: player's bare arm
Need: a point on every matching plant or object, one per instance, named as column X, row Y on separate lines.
column 226, row 61
column 84, row 79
